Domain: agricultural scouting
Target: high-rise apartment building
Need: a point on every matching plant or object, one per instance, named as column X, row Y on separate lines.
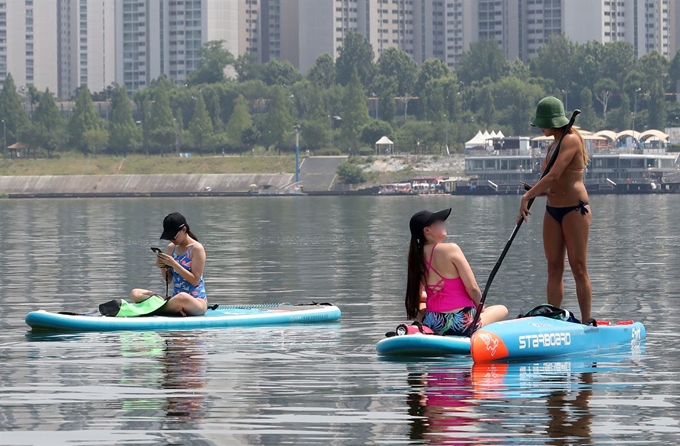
column 28, row 43
column 155, row 37
column 304, row 29
column 86, row 45
column 646, row 24
column 249, row 27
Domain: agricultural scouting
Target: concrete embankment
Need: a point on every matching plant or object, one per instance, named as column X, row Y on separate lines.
column 138, row 185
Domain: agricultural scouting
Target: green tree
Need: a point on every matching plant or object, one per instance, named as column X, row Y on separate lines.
column 278, row 121
column 386, row 88
column 516, row 103
column 314, row 133
column 674, row 69
column 657, row 107
column 620, row 118
column 587, row 66
column 179, row 127
column 160, row 130
column 313, row 106
column 355, row 113
column 33, row 96
column 95, row 140
column 355, row 54
column 48, row 129
column 488, row 115
column 238, row 123
column 280, row 72
column 247, row 68
column 416, row 137
column 375, row 130
column 588, row 116
column 124, row 134
column 604, row 90
column 432, row 104
column 399, row 65
column 201, row 127
column 655, row 69
column 349, row 173
column 214, row 59
column 250, row 137
column 555, row 61
column 83, row 118
column 430, row 70
column 12, row 111
column 618, row 58
column 322, row 73
column 519, row 70
column 483, row 59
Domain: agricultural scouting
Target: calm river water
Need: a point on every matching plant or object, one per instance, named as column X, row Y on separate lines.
column 324, row 384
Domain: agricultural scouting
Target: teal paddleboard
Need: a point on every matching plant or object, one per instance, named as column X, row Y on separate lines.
column 222, row 316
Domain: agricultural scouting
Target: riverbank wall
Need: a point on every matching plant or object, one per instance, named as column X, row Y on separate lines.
column 56, row 186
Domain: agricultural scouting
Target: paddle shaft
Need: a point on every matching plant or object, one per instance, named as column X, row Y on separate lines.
column 496, row 267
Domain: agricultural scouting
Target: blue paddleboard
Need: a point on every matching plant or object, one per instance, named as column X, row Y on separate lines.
column 541, row 337
column 423, row 345
column 223, row 316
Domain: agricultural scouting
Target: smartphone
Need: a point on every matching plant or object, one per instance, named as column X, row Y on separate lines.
column 156, row 250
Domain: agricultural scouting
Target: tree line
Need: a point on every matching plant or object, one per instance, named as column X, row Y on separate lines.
column 348, row 104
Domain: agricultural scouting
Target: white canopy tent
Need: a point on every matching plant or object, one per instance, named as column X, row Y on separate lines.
column 477, row 141
column 384, row 145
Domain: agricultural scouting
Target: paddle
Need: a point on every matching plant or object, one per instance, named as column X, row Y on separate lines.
column 496, row 267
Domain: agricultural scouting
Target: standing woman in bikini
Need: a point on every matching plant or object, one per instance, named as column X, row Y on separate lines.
column 566, row 222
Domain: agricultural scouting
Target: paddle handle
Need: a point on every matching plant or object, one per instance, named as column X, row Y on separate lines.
column 497, row 266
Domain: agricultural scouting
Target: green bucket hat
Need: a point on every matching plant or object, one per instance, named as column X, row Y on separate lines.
column 550, row 114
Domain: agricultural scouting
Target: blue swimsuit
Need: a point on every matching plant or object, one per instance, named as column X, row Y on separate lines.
column 180, row 284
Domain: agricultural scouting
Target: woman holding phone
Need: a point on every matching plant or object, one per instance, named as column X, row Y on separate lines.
column 182, row 263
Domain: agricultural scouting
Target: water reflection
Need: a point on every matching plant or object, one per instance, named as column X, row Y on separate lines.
column 324, row 384
column 178, row 368
column 456, row 402
column 570, row 415
column 442, row 403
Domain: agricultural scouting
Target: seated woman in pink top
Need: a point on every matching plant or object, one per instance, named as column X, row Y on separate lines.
column 441, row 290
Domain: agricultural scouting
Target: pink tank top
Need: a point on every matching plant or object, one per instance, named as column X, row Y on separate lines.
column 447, row 294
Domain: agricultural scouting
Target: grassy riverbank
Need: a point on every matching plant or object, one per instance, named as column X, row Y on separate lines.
column 136, row 164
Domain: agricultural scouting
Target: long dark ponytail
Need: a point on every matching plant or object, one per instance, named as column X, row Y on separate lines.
column 414, row 279
column 189, row 233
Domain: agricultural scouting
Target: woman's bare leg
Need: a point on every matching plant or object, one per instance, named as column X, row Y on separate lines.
column 186, row 305
column 576, row 227
column 140, row 295
column 494, row 313
column 553, row 245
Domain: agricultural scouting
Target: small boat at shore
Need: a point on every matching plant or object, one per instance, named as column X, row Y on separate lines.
column 223, row 316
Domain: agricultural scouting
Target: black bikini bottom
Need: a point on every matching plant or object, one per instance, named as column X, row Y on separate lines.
column 559, row 213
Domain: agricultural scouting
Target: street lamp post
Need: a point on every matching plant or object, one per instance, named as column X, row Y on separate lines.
column 635, row 110
column 4, row 136
column 446, row 132
column 176, row 136
column 566, row 99
column 406, row 99
column 375, row 108
column 297, row 153
column 333, row 118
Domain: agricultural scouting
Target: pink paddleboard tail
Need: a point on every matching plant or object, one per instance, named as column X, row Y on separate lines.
column 406, row 329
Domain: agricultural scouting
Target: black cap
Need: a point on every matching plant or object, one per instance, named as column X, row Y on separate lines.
column 423, row 219
column 172, row 223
